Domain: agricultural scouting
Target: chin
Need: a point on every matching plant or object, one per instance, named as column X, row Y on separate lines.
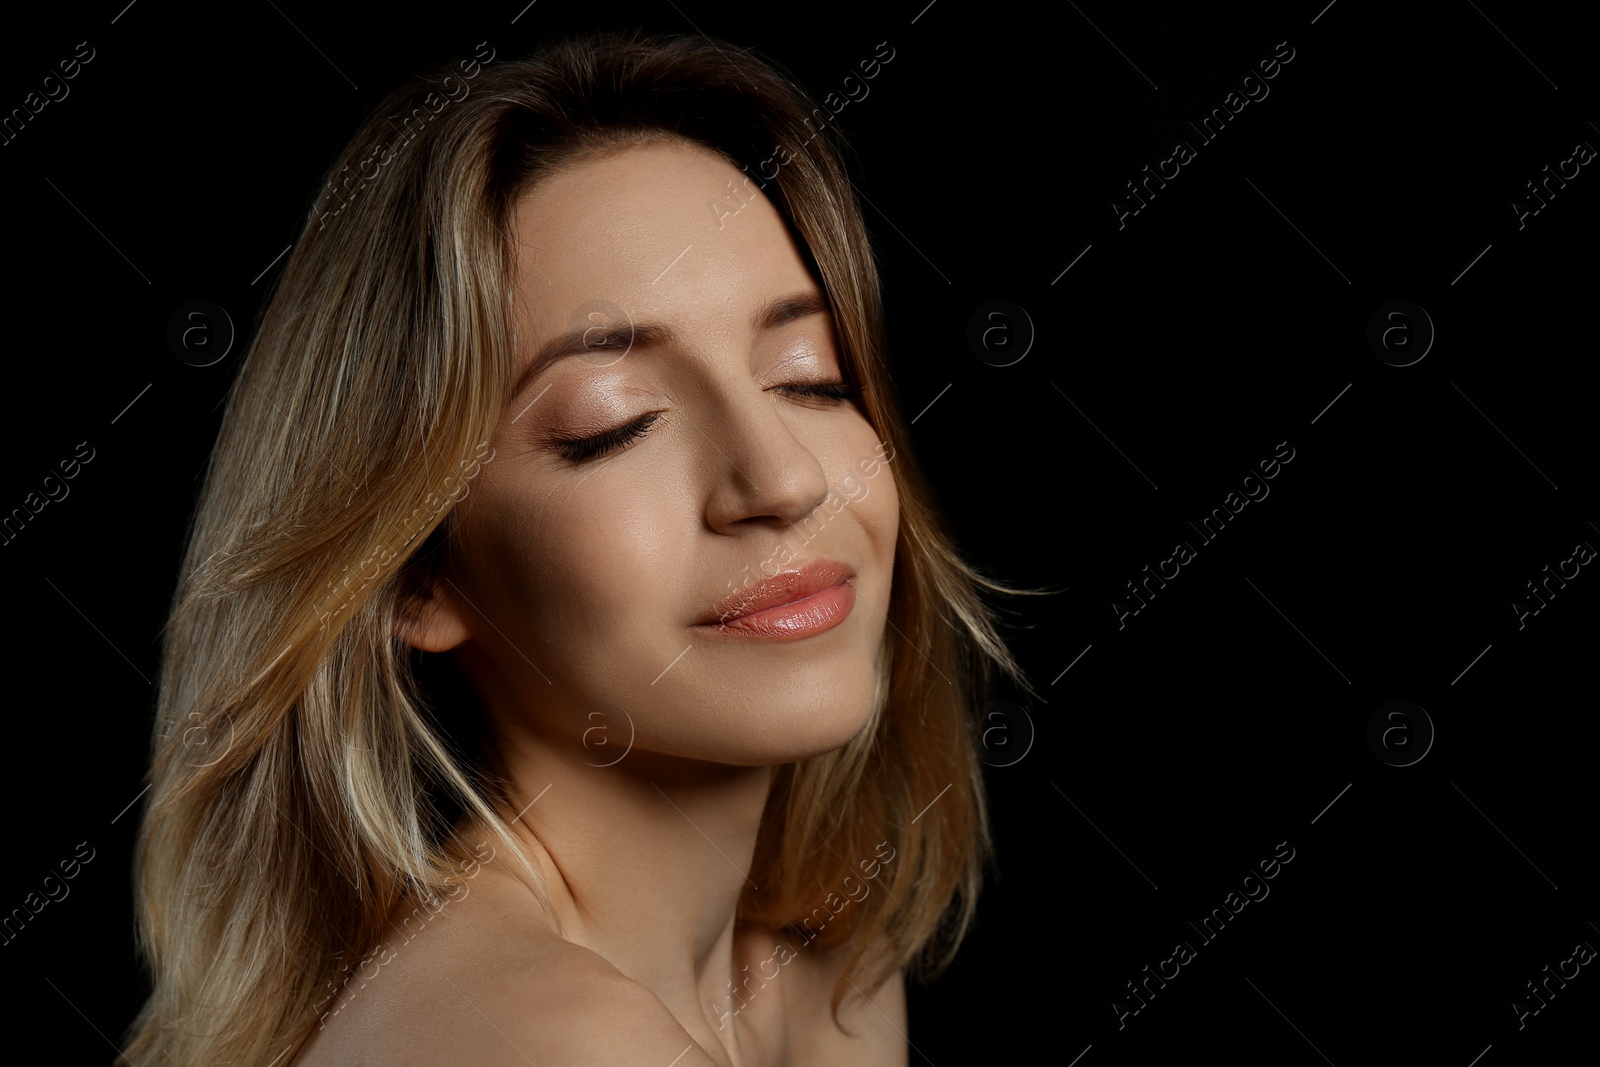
column 817, row 742
column 764, row 733
column 802, row 729
column 752, row 705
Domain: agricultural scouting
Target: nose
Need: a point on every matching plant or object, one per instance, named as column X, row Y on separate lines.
column 764, row 473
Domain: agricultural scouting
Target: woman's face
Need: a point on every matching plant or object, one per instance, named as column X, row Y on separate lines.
column 648, row 475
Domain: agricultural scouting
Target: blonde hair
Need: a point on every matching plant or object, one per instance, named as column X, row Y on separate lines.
column 304, row 780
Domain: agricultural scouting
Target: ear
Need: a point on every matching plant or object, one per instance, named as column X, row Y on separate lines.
column 429, row 616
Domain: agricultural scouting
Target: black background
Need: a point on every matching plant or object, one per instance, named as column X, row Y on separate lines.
column 1229, row 315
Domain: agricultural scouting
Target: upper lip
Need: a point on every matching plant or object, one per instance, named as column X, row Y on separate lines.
column 785, row 587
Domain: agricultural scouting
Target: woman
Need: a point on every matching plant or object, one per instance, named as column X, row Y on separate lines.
column 569, row 663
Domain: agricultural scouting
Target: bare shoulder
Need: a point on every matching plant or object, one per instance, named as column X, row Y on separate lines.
column 870, row 1030
column 482, row 980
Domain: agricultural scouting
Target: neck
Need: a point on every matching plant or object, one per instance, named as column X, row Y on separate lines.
column 645, row 861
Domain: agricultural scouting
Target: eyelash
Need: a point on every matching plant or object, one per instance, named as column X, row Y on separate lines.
column 588, row 448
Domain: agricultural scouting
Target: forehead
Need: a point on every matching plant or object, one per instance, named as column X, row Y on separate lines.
column 668, row 231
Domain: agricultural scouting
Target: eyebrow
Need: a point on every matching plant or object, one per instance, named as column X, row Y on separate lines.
column 771, row 314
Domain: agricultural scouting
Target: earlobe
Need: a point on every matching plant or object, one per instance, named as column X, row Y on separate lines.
column 428, row 621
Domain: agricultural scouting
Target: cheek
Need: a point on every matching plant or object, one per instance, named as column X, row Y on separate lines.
column 882, row 516
column 599, row 550
column 572, row 558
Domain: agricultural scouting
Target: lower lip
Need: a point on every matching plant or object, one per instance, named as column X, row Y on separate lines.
column 817, row 613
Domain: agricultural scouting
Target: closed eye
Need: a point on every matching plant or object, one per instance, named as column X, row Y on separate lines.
column 581, row 450
column 584, row 449
column 828, row 390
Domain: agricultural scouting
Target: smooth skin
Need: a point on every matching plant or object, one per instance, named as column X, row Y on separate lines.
column 641, row 744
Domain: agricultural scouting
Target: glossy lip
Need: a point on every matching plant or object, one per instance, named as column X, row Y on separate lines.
column 790, row 605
